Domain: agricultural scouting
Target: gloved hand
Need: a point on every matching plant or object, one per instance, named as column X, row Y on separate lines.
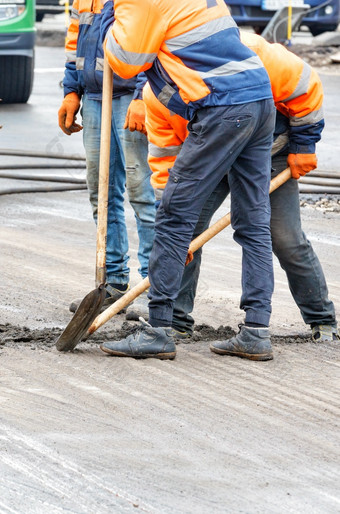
column 189, row 258
column 67, row 114
column 301, row 163
column 135, row 117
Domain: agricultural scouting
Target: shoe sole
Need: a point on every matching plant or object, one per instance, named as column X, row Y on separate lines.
column 162, row 356
column 250, row 356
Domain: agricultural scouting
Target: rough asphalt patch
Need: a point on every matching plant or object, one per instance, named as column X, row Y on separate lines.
column 11, row 335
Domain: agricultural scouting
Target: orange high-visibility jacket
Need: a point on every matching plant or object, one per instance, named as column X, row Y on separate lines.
column 85, row 55
column 190, row 50
column 297, row 92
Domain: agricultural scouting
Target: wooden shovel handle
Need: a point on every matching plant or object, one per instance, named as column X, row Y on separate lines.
column 104, row 169
column 203, row 238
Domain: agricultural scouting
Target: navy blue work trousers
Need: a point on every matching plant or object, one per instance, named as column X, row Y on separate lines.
column 236, row 138
column 295, row 253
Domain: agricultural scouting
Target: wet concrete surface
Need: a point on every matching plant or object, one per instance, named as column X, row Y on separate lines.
column 84, row 432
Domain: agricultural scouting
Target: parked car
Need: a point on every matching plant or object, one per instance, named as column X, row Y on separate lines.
column 17, row 36
column 49, row 7
column 322, row 16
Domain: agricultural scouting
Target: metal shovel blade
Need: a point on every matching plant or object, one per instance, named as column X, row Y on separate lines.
column 84, row 316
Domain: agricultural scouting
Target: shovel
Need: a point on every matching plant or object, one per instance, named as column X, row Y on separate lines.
column 91, row 305
column 196, row 243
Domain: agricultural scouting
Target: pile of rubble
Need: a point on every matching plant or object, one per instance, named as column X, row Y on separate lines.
column 323, row 54
column 326, row 203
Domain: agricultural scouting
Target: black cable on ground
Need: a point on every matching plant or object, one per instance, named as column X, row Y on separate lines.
column 323, row 182
column 46, row 155
column 43, row 178
column 81, row 182
column 309, row 188
column 40, row 189
column 41, row 166
column 321, row 174
column 317, row 182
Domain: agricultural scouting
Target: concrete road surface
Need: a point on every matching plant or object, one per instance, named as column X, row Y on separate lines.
column 86, row 433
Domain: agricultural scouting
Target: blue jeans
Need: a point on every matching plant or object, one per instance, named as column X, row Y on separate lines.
column 296, row 256
column 184, row 304
column 137, row 181
column 220, row 138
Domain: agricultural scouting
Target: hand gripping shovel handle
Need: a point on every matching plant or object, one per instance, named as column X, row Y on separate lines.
column 196, row 243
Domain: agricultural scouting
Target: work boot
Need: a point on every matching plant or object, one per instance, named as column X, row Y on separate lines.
column 112, row 295
column 149, row 341
column 139, row 308
column 325, row 333
column 180, row 335
column 250, row 343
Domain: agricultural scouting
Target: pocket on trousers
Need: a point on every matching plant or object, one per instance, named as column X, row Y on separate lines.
column 169, row 190
column 180, row 195
column 238, row 121
column 196, row 127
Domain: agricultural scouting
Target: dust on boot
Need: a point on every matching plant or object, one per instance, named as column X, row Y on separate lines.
column 149, row 341
column 249, row 343
column 325, row 333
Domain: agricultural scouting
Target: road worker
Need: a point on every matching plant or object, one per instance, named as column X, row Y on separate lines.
column 197, row 66
column 128, row 161
column 298, row 96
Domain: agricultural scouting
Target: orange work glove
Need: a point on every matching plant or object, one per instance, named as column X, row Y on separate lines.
column 67, row 114
column 135, row 117
column 190, row 257
column 301, row 163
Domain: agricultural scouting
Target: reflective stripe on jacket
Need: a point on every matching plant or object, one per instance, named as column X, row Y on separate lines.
column 297, row 94
column 190, row 50
column 85, row 55
column 166, row 133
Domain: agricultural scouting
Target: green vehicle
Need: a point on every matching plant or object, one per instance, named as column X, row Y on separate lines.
column 17, row 36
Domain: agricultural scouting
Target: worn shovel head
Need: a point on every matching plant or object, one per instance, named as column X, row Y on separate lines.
column 83, row 318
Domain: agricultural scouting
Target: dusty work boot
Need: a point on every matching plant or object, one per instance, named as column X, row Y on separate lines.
column 112, row 295
column 325, row 333
column 149, row 341
column 250, row 343
column 180, row 335
column 139, row 308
